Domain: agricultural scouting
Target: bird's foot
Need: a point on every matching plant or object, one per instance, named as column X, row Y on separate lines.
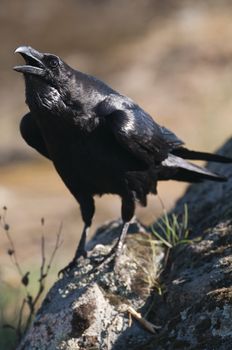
column 112, row 257
column 66, row 270
column 116, row 252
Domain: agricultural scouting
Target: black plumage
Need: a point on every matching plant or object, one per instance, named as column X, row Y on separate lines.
column 99, row 140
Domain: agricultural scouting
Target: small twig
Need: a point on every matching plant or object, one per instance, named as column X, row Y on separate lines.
column 146, row 324
column 42, row 275
column 43, row 260
column 11, row 251
column 44, row 271
column 29, row 300
column 56, row 247
column 19, row 325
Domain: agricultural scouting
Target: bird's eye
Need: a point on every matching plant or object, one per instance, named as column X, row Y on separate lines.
column 53, row 62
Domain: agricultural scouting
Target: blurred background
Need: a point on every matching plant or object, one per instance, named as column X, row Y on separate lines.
column 173, row 57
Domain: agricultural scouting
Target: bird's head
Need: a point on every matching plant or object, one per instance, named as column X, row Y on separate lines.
column 45, row 66
column 47, row 78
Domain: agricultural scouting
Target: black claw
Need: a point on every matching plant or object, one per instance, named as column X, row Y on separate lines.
column 66, row 270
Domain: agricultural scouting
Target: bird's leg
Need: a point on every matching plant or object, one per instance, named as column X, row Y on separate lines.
column 127, row 211
column 79, row 252
column 81, row 246
column 119, row 245
column 116, row 251
column 87, row 211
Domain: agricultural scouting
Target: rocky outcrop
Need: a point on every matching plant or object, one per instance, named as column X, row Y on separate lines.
column 189, row 296
column 90, row 309
column 196, row 308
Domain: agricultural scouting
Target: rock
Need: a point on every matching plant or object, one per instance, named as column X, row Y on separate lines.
column 89, row 310
column 196, row 307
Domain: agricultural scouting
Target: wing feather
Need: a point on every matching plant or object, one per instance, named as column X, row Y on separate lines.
column 136, row 131
column 32, row 135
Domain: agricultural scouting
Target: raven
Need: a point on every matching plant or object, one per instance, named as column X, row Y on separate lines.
column 99, row 140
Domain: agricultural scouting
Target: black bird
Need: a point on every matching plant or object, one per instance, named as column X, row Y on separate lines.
column 99, row 140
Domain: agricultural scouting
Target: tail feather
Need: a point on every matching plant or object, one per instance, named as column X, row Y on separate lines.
column 176, row 168
column 189, row 154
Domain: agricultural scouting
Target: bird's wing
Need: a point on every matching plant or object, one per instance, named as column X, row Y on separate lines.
column 32, row 135
column 136, row 131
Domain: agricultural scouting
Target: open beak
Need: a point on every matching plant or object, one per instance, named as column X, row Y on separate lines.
column 33, row 59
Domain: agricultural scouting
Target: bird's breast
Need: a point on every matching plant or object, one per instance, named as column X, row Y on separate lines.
column 92, row 162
